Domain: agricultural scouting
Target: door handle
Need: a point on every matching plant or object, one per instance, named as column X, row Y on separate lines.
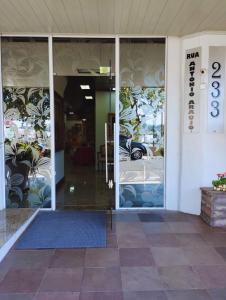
column 106, row 151
column 114, row 131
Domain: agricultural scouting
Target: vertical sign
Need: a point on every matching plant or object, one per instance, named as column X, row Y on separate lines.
column 216, row 89
column 192, row 79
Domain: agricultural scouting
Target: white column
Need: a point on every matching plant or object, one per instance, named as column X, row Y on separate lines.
column 172, row 136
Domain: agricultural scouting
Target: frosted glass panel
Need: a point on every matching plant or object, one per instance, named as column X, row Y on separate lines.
column 26, row 106
column 142, row 105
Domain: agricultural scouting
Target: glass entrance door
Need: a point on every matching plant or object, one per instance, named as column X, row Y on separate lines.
column 84, row 79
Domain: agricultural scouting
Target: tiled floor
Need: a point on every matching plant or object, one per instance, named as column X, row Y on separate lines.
column 157, row 255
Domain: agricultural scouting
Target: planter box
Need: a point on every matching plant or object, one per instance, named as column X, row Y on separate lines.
column 213, row 207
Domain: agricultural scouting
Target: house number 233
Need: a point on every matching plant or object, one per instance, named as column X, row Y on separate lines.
column 216, row 89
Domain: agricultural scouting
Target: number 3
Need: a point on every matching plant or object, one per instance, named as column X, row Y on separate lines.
column 216, row 112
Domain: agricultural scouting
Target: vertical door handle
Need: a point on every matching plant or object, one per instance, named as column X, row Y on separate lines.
column 106, row 150
column 114, row 136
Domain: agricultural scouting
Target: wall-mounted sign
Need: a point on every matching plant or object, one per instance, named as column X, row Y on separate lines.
column 192, row 79
column 216, row 89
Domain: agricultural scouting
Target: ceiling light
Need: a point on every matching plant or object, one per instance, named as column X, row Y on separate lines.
column 105, row 70
column 113, row 89
column 85, row 87
column 89, row 97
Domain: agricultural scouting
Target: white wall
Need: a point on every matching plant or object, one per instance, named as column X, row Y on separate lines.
column 203, row 153
column 173, row 84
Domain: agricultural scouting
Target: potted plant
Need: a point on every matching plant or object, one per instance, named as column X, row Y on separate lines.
column 220, row 183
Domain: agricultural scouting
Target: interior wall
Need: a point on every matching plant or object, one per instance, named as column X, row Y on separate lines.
column 60, row 83
column 203, row 153
column 101, row 115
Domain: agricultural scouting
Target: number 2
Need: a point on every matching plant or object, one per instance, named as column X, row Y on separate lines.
column 216, row 66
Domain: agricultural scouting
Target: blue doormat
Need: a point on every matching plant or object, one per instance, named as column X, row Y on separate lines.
column 65, row 229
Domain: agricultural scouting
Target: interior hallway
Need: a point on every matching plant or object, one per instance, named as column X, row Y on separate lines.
column 157, row 255
column 84, row 188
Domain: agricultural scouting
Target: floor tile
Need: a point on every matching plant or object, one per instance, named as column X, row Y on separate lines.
column 183, row 227
column 68, row 258
column 190, row 240
column 102, row 257
column 101, row 296
column 126, row 217
column 175, row 217
column 156, row 227
column 203, row 256
column 221, row 251
column 133, row 240
column 112, row 241
column 135, row 257
column 180, row 277
column 215, row 238
column 57, row 296
column 217, row 294
column 62, row 280
column 21, row 281
column 150, row 217
column 31, row 259
column 141, row 279
column 212, row 276
column 17, row 296
column 101, row 279
column 123, row 228
column 188, row 295
column 145, row 295
column 169, row 256
column 163, row 240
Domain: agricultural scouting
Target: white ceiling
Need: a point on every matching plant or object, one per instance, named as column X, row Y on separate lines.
column 152, row 17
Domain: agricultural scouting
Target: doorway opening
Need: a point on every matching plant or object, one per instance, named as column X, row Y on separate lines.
column 84, row 96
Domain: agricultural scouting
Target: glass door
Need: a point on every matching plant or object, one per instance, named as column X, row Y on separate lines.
column 84, row 79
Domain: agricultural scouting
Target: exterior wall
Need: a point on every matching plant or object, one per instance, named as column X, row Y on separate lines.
column 203, row 153
column 173, row 84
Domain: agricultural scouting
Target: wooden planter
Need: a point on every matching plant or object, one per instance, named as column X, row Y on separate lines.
column 213, row 207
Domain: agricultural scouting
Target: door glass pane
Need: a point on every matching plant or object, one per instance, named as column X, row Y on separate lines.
column 26, row 105
column 142, row 103
column 84, row 78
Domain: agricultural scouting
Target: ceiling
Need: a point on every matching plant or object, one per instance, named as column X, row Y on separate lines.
column 152, row 17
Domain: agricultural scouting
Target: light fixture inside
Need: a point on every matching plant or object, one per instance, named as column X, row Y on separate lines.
column 113, row 89
column 105, row 70
column 85, row 87
column 89, row 97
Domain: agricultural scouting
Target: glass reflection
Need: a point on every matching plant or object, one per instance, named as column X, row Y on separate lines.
column 141, row 108
column 26, row 123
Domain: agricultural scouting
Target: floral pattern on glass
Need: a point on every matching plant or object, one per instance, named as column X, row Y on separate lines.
column 27, row 146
